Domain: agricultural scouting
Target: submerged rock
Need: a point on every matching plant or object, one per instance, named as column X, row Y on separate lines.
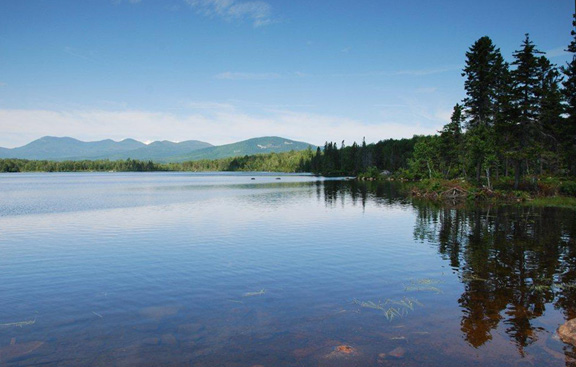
column 341, row 351
column 346, row 349
column 396, row 353
column 14, row 350
column 567, row 332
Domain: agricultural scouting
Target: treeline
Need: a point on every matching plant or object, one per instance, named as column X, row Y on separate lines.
column 386, row 155
column 128, row 165
column 293, row 161
column 518, row 119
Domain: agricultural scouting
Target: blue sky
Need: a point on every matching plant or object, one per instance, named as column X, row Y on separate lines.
column 227, row 70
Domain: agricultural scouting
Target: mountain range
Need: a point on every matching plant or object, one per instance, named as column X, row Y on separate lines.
column 65, row 148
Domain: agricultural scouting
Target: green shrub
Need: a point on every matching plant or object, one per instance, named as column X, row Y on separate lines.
column 568, row 188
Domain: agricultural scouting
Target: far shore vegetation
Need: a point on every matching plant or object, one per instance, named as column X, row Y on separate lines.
column 512, row 138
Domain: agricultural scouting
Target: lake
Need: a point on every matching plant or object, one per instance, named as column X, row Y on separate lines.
column 183, row 269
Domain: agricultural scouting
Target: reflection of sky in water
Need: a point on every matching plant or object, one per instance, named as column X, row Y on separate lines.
column 108, row 263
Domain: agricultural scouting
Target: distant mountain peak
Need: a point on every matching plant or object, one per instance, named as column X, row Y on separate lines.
column 67, row 148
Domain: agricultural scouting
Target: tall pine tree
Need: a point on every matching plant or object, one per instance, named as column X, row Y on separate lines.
column 484, row 71
column 569, row 130
column 526, row 100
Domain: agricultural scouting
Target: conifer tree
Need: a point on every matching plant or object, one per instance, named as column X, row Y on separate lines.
column 569, row 130
column 451, row 141
column 484, row 65
column 526, row 100
column 484, row 71
column 551, row 122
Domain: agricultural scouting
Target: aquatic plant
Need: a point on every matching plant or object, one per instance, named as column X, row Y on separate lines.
column 392, row 312
column 19, row 324
column 370, row 304
column 391, row 309
column 407, row 302
column 422, row 285
column 252, row 294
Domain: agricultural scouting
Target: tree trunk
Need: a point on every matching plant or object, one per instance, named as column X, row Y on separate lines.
column 517, row 173
column 478, row 172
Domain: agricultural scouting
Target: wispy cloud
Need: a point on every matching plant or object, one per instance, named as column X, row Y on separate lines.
column 557, row 52
column 129, row 1
column 229, row 75
column 247, row 76
column 2, row 84
column 81, row 54
column 421, row 72
column 408, row 72
column 257, row 12
column 426, row 90
column 203, row 105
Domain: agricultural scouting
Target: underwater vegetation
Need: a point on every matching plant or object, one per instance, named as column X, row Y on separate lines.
column 18, row 324
column 252, row 294
column 391, row 309
column 423, row 285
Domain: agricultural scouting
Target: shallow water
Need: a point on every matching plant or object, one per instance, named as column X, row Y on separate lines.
column 172, row 269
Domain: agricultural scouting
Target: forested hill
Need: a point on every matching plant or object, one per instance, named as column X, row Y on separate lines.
column 253, row 146
column 65, row 148
column 61, row 149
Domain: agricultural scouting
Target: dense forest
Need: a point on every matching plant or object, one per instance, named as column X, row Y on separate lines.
column 293, row 161
column 517, row 122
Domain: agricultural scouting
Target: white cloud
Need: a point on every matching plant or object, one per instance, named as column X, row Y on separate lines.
column 426, row 90
column 85, row 55
column 257, row 12
column 217, row 126
column 247, row 76
column 201, row 105
column 431, row 71
column 130, row 1
column 557, row 52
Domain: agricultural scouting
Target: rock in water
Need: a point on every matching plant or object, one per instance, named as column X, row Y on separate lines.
column 15, row 351
column 567, row 332
column 343, row 351
column 397, row 353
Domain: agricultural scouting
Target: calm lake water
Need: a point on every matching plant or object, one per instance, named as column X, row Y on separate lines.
column 173, row 269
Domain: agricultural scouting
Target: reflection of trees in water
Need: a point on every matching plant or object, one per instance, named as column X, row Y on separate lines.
column 358, row 193
column 513, row 261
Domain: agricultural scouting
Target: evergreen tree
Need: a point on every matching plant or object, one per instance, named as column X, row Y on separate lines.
column 569, row 130
column 526, row 101
column 485, row 69
column 484, row 65
column 550, row 112
column 451, row 141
